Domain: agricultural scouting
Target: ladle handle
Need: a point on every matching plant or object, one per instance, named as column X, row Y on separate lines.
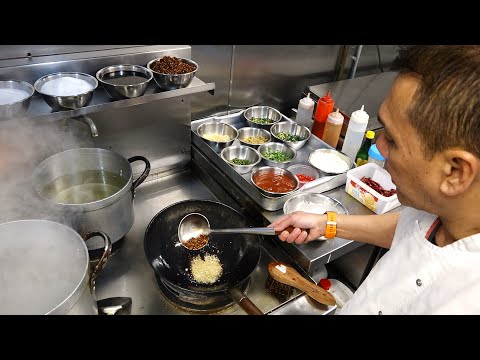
column 259, row 231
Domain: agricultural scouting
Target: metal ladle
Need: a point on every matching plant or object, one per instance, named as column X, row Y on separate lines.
column 194, row 225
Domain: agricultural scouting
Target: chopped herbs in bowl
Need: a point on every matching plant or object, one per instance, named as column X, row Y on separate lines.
column 291, row 134
column 289, row 137
column 277, row 154
column 241, row 158
column 263, row 121
column 238, row 161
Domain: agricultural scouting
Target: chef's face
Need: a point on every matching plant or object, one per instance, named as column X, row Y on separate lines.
column 411, row 172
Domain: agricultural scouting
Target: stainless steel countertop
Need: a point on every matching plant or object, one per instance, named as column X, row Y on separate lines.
column 129, row 274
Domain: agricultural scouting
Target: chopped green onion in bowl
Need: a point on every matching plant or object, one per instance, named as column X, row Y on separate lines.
column 289, row 137
column 238, row 161
column 276, row 155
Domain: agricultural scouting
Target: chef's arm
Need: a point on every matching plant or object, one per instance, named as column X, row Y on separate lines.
column 372, row 229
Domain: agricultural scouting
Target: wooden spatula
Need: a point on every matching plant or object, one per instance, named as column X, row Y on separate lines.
column 287, row 275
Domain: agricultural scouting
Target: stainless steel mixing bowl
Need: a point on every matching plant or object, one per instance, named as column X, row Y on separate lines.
column 66, row 102
column 20, row 107
column 119, row 83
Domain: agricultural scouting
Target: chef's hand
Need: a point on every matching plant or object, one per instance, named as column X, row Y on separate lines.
column 300, row 220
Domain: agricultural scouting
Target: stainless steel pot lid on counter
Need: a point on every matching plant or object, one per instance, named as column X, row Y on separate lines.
column 44, row 267
column 90, row 188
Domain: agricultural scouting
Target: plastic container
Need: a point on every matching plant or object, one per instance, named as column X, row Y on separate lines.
column 333, row 128
column 309, row 171
column 375, row 157
column 362, row 155
column 324, row 108
column 355, row 133
column 305, row 112
column 376, row 202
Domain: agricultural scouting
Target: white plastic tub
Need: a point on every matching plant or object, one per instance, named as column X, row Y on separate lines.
column 376, row 202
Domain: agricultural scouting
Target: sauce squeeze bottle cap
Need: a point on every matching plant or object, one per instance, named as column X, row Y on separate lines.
column 360, row 116
column 327, row 98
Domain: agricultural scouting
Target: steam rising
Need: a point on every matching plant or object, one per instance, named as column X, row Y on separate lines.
column 24, row 143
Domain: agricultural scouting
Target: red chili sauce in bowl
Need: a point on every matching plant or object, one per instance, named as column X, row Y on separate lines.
column 277, row 183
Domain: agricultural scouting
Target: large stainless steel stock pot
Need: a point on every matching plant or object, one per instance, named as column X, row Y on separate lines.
column 89, row 189
column 45, row 269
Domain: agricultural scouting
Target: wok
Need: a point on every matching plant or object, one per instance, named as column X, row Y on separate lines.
column 239, row 254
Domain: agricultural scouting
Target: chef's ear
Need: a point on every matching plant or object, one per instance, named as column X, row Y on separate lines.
column 460, row 169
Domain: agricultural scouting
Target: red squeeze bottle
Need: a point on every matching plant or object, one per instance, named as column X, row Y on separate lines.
column 324, row 108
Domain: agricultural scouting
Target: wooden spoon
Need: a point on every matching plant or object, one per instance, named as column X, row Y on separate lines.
column 287, row 275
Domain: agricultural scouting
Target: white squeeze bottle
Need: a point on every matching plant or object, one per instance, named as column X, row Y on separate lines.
column 355, row 133
column 305, row 112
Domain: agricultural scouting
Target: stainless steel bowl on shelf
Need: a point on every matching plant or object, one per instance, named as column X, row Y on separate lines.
column 249, row 132
column 66, row 96
column 291, row 129
column 168, row 81
column 124, row 81
column 15, row 98
column 241, row 152
column 257, row 115
column 281, row 148
column 330, row 161
column 208, row 129
column 265, row 177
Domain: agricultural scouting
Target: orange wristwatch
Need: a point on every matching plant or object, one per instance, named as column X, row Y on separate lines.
column 331, row 228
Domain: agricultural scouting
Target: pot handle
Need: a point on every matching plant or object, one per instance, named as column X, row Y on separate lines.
column 145, row 173
column 107, row 251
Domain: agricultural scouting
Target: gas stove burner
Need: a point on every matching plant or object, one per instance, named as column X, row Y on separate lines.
column 197, row 303
column 96, row 254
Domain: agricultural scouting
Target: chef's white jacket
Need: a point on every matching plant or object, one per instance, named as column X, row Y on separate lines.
column 417, row 277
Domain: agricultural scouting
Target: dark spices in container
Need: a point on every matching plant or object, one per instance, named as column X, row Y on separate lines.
column 172, row 65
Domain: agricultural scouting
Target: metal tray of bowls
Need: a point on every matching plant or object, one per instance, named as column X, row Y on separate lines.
column 268, row 203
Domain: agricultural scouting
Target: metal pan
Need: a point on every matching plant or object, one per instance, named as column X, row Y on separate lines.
column 239, row 254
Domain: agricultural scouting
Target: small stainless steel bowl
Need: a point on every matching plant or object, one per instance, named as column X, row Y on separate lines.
column 124, row 81
column 326, row 169
column 304, row 169
column 246, row 132
column 18, row 108
column 66, row 102
column 241, row 152
column 291, row 128
column 173, row 81
column 264, row 112
column 271, row 171
column 274, row 146
column 313, row 203
column 220, row 129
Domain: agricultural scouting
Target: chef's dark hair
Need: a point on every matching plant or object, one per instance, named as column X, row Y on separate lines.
column 446, row 107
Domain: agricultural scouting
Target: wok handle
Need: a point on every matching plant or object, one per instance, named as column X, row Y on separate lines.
column 145, row 173
column 107, row 251
column 245, row 303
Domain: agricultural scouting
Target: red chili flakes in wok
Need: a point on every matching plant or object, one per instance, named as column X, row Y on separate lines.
column 377, row 187
column 172, row 65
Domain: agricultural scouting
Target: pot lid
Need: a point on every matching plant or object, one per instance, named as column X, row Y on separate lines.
column 42, row 264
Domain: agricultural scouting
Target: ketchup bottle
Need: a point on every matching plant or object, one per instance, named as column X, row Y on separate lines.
column 324, row 108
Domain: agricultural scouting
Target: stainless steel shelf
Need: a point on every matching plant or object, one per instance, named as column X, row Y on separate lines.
column 40, row 110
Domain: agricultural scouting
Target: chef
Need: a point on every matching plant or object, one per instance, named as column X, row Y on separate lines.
column 431, row 141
